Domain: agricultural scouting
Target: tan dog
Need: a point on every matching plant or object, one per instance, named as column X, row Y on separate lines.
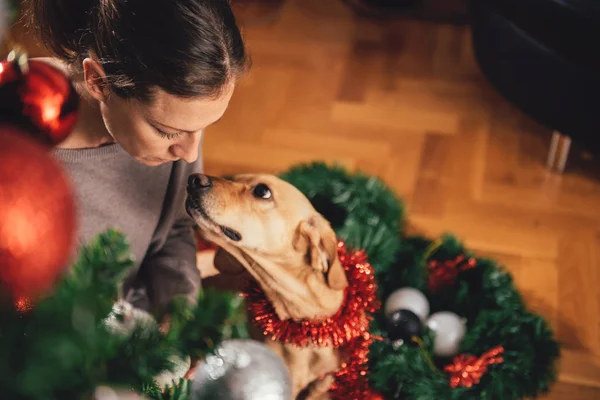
column 271, row 229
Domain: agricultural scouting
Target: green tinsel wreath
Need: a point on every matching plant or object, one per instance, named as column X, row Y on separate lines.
column 360, row 208
column 496, row 316
column 357, row 206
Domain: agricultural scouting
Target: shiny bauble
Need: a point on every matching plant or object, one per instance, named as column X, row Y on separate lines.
column 124, row 319
column 39, row 98
column 403, row 325
column 37, row 216
column 407, row 299
column 242, row 370
column 449, row 330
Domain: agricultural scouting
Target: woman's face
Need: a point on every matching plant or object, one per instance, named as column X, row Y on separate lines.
column 168, row 129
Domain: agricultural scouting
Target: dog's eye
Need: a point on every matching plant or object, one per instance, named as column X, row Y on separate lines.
column 262, row 191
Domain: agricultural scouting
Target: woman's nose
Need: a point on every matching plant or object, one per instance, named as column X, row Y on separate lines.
column 188, row 147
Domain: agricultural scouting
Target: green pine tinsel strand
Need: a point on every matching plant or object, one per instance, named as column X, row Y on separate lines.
column 63, row 350
column 53, row 352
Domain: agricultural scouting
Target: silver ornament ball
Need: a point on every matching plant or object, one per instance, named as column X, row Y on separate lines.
column 242, row 369
column 124, row 318
column 407, row 298
column 449, row 330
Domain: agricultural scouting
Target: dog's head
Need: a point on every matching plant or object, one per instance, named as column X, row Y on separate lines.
column 273, row 230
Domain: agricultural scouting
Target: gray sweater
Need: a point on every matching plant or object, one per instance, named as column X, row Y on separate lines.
column 146, row 203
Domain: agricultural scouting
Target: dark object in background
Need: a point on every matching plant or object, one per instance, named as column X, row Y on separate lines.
column 542, row 56
column 337, row 214
column 257, row 12
column 383, row 5
column 439, row 11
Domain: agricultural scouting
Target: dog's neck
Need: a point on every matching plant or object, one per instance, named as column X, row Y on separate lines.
column 296, row 292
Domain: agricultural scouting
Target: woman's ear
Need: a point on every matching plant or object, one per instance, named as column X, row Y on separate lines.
column 95, row 79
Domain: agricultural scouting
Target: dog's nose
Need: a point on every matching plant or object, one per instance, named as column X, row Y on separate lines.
column 199, row 182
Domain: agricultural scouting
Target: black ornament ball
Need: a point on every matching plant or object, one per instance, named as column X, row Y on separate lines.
column 403, row 325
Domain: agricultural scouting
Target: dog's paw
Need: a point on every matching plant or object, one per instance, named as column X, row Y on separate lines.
column 205, row 261
column 227, row 264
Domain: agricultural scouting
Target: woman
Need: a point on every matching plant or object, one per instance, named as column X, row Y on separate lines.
column 152, row 75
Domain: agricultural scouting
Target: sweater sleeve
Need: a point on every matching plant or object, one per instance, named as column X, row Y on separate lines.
column 170, row 265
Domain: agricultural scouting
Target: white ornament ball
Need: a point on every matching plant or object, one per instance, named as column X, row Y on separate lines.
column 407, row 299
column 449, row 330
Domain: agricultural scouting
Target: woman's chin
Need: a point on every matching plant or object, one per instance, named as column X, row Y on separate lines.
column 152, row 161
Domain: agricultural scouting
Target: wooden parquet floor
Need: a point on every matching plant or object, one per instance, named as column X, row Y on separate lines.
column 404, row 100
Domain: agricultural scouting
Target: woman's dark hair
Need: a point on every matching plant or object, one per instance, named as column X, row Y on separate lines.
column 185, row 47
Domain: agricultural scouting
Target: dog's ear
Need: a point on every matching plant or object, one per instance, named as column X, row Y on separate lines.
column 317, row 241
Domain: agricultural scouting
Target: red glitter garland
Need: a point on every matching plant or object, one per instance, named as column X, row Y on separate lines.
column 24, row 305
column 467, row 371
column 348, row 329
column 444, row 273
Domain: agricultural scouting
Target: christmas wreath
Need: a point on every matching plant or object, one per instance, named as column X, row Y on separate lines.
column 501, row 350
column 453, row 325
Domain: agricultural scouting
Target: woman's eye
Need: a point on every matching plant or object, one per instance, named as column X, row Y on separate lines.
column 167, row 135
column 262, row 191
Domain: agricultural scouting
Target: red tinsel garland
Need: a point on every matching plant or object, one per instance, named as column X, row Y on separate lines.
column 444, row 273
column 467, row 371
column 24, row 305
column 348, row 329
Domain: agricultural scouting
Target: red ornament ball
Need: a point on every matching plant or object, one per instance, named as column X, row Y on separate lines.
column 37, row 216
column 40, row 98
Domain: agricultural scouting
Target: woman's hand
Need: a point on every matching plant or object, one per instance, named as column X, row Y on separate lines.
column 205, row 261
column 192, row 371
column 165, row 324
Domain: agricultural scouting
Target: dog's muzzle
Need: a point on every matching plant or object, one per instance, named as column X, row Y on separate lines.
column 199, row 184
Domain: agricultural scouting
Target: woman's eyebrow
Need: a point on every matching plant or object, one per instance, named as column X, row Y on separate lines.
column 154, row 122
